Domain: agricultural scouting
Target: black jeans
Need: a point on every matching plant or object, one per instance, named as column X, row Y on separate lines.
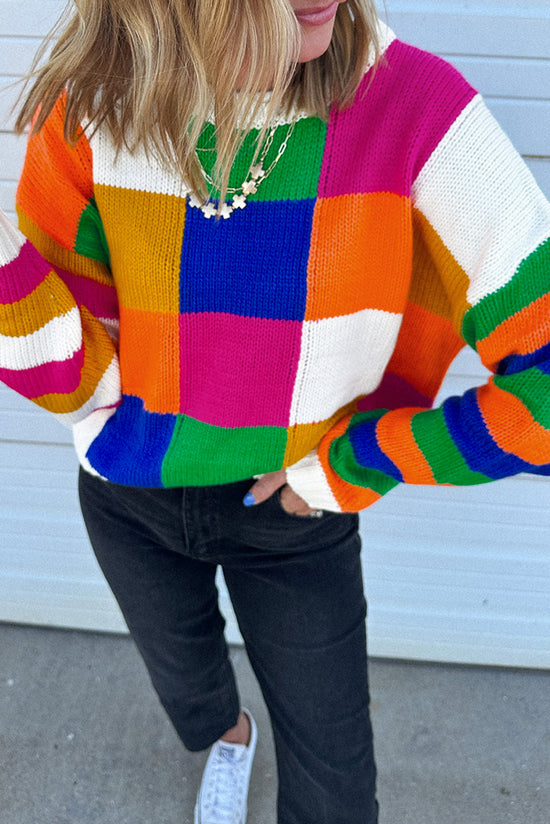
column 297, row 591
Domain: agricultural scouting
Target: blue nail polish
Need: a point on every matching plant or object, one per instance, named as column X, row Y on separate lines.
column 249, row 499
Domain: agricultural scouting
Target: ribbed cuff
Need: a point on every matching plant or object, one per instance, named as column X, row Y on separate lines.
column 308, row 480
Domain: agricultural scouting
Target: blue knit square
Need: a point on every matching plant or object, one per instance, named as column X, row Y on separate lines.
column 253, row 264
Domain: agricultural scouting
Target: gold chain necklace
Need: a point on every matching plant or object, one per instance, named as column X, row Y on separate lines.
column 256, row 174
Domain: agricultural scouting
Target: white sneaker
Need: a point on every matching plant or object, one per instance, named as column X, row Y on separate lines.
column 223, row 793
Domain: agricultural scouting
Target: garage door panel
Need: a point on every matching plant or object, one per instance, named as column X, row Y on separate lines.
column 451, row 574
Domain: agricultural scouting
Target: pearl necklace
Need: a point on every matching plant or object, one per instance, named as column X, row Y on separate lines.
column 256, row 174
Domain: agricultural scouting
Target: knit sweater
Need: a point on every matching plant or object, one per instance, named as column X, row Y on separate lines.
column 312, row 328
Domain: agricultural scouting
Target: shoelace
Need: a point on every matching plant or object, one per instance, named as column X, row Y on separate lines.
column 225, row 791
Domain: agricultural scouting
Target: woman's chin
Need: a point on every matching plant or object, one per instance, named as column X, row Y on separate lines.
column 315, row 42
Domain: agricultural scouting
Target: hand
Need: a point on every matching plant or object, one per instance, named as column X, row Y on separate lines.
column 270, row 483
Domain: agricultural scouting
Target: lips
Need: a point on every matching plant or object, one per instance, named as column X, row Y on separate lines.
column 317, row 16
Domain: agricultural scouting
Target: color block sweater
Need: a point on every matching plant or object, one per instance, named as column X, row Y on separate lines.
column 311, row 329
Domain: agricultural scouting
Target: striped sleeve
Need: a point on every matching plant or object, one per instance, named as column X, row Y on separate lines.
column 58, row 307
column 476, row 205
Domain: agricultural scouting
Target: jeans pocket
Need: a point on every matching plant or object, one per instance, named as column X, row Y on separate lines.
column 317, row 513
column 270, row 528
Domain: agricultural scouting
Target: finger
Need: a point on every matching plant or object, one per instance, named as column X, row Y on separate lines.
column 264, row 487
column 293, row 504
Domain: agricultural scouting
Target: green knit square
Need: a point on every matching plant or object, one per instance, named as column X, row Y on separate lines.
column 90, row 237
column 202, row 455
column 295, row 176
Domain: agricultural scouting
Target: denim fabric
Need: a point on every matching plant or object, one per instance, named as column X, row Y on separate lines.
column 297, row 591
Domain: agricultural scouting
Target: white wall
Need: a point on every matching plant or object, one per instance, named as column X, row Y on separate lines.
column 451, row 574
column 464, row 574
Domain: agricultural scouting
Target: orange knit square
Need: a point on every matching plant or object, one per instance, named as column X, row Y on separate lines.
column 434, row 343
column 65, row 175
column 364, row 241
column 154, row 376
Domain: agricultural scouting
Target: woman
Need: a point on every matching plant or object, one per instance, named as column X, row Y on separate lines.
column 298, row 221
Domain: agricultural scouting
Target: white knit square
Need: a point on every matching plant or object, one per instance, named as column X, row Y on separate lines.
column 308, row 480
column 131, row 171
column 340, row 359
column 482, row 200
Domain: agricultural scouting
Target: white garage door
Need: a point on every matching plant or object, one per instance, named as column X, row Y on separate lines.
column 451, row 574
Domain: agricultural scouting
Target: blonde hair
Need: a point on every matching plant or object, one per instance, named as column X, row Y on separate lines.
column 153, row 71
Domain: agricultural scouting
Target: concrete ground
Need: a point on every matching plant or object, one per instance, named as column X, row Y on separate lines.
column 83, row 739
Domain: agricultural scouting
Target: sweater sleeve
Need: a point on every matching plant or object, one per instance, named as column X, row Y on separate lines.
column 58, row 306
column 486, row 227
